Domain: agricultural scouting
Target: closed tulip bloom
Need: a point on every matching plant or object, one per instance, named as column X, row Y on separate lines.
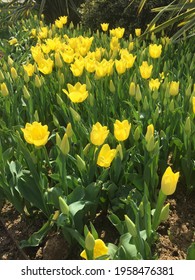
column 149, row 132
column 155, row 50
column 14, row 74
column 4, row 90
column 169, row 181
column 104, row 26
column 36, row 133
column 174, row 88
column 122, row 130
column 106, row 156
column 193, row 104
column 76, row 93
column 145, row 70
column 98, row 134
column 138, row 32
column 99, row 250
column 13, row 41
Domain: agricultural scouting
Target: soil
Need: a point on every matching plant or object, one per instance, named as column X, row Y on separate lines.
column 175, row 235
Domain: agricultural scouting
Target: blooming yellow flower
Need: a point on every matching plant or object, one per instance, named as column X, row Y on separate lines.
column 99, row 250
column 155, row 50
column 45, row 66
column 63, row 19
column 114, row 44
column 98, row 134
column 128, row 57
column 106, row 156
column 76, row 93
column 120, row 66
column 43, row 33
column 145, row 70
column 104, row 26
column 122, row 130
column 149, row 132
column 117, row 32
column 33, row 32
column 58, row 23
column 36, row 133
column 29, row 68
column 193, row 104
column 13, row 41
column 169, row 181
column 77, row 67
column 174, row 88
column 138, row 32
column 154, row 84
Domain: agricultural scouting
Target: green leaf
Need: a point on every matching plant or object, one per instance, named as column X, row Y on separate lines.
column 191, row 252
column 36, row 238
column 77, row 206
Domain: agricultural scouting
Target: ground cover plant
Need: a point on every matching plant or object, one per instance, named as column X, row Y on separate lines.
column 92, row 122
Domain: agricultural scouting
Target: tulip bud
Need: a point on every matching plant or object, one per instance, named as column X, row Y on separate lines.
column 80, row 163
column 4, row 90
column 91, row 99
column 38, row 82
column 63, row 206
column 112, row 87
column 188, row 90
column 141, row 209
column 60, row 102
column 26, row 77
column 56, row 215
column 89, row 242
column 26, row 92
column 150, row 144
column 130, row 226
column 138, row 95
column 169, row 181
column 187, row 126
column 10, row 61
column 58, row 60
column 14, row 74
column 137, row 133
column 86, row 149
column 171, row 105
column 69, row 130
column 120, row 151
column 58, row 140
column 36, row 116
column 145, row 104
column 164, row 213
column 64, row 145
column 1, row 76
column 75, row 115
column 88, row 83
column 132, row 88
column 61, row 78
column 55, row 121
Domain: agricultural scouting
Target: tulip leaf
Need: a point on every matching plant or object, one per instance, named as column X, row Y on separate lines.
column 191, row 252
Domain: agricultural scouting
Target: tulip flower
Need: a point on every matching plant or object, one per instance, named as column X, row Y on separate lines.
column 106, row 156
column 4, row 90
column 104, row 26
column 99, row 250
column 36, row 133
column 138, row 32
column 155, row 50
column 145, row 70
column 154, row 84
column 117, row 32
column 149, row 132
column 29, row 68
column 98, row 134
column 174, row 88
column 169, row 181
column 76, row 93
column 122, row 130
column 45, row 66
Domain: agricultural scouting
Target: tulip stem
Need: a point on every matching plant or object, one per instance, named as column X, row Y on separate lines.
column 160, row 201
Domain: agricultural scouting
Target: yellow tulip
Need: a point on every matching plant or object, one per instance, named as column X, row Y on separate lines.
column 122, row 130
column 154, row 84
column 36, row 133
column 14, row 74
column 114, row 44
column 193, row 104
column 4, row 90
column 76, row 93
column 174, row 88
column 98, row 134
column 29, row 68
column 149, row 132
column 169, row 181
column 138, row 32
column 120, row 66
column 99, row 250
column 104, row 26
column 106, row 156
column 145, row 70
column 13, row 41
column 155, row 50
column 45, row 66
column 117, row 32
